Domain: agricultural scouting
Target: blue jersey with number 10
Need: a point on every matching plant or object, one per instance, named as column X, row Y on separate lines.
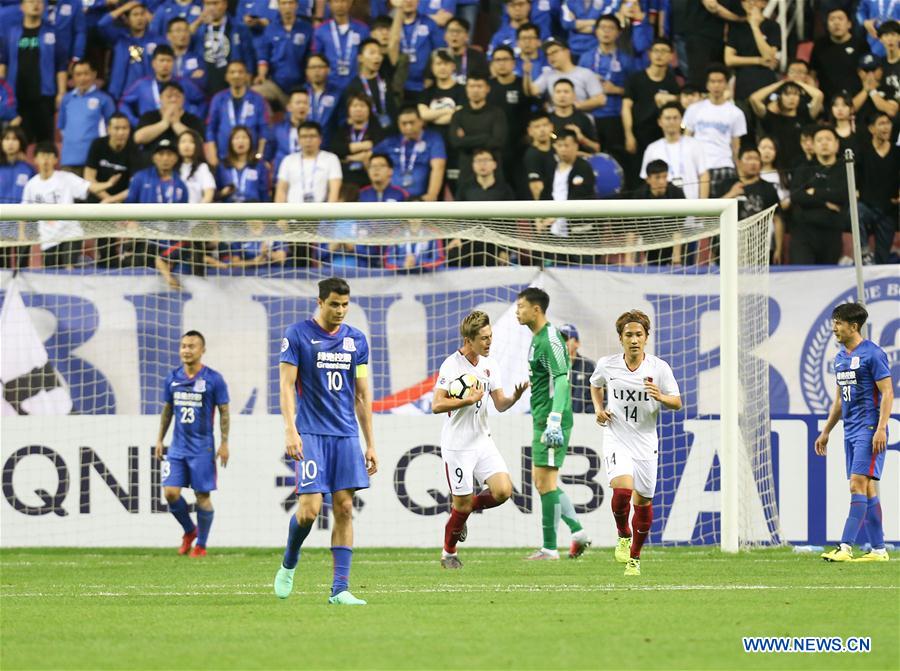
column 857, row 372
column 326, row 376
column 194, row 401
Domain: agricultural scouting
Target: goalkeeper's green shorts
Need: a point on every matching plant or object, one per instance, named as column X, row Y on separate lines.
column 553, row 457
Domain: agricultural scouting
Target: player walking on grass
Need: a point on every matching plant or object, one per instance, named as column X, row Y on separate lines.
column 551, row 412
column 467, row 449
column 865, row 395
column 324, row 391
column 192, row 393
column 638, row 385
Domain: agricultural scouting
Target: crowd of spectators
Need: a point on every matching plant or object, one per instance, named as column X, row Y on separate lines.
column 310, row 101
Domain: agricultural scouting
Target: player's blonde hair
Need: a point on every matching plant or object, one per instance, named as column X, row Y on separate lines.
column 473, row 323
column 635, row 316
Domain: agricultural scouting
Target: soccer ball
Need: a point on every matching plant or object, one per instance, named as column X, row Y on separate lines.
column 463, row 385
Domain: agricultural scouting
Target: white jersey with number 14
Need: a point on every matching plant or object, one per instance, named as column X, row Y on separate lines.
column 634, row 412
column 467, row 428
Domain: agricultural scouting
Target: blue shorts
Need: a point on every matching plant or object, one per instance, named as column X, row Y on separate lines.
column 197, row 472
column 860, row 460
column 330, row 464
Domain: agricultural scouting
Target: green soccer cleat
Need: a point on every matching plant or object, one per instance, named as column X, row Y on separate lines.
column 874, row 556
column 633, row 567
column 623, row 549
column 345, row 599
column 284, row 582
column 837, row 554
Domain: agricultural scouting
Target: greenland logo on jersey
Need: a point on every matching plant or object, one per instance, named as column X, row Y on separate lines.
column 817, row 364
column 200, row 385
column 349, row 345
column 284, row 345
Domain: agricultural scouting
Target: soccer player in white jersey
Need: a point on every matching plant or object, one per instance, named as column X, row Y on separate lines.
column 467, row 449
column 638, row 385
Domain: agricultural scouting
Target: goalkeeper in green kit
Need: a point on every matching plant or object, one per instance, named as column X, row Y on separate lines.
column 551, row 412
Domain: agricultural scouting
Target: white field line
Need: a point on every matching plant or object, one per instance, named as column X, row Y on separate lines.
column 229, row 590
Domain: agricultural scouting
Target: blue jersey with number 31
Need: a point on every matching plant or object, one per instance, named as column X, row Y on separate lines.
column 857, row 372
column 194, row 401
column 326, row 376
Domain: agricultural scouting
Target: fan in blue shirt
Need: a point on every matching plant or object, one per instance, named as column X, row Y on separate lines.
column 579, row 20
column 613, row 65
column 192, row 393
column 159, row 183
column 865, row 396
column 416, row 36
column 419, row 156
column 241, row 178
column 143, row 95
column 172, row 9
column 284, row 136
column 323, row 98
column 284, row 46
column 82, row 115
column 236, row 106
column 324, row 391
column 339, row 39
column 132, row 45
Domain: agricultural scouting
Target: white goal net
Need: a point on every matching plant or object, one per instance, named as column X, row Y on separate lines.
column 91, row 326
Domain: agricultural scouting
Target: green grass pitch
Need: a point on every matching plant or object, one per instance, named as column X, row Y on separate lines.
column 150, row 609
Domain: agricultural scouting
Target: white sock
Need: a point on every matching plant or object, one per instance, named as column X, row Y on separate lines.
column 555, row 553
column 445, row 554
column 846, row 548
column 580, row 535
column 879, row 551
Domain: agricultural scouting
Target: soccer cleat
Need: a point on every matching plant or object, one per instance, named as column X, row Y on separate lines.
column 284, row 582
column 542, row 554
column 464, row 534
column 345, row 599
column 451, row 561
column 623, row 549
column 198, row 551
column 837, row 554
column 873, row 556
column 186, row 541
column 633, row 566
column 580, row 543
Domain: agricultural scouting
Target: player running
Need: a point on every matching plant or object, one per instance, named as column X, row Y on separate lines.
column 551, row 412
column 324, row 390
column 865, row 395
column 192, row 393
column 467, row 449
column 638, row 385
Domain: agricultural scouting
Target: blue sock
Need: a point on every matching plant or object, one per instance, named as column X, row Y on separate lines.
column 180, row 510
column 204, row 522
column 855, row 519
column 873, row 523
column 342, row 557
column 296, row 536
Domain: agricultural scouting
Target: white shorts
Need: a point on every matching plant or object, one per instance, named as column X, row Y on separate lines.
column 463, row 467
column 619, row 461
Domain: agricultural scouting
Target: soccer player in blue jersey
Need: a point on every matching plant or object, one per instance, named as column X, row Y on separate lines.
column 324, row 390
column 865, row 394
column 192, row 394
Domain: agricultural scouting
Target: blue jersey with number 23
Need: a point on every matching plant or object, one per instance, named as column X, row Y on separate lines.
column 194, row 401
column 326, row 376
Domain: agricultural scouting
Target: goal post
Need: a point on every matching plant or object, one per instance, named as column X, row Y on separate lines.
column 596, row 229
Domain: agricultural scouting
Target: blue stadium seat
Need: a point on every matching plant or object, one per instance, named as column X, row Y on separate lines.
column 609, row 174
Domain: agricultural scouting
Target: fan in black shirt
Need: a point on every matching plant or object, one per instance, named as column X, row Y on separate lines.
column 784, row 117
column 566, row 116
column 875, row 96
column 835, row 56
column 354, row 141
column 756, row 195
column 879, row 182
